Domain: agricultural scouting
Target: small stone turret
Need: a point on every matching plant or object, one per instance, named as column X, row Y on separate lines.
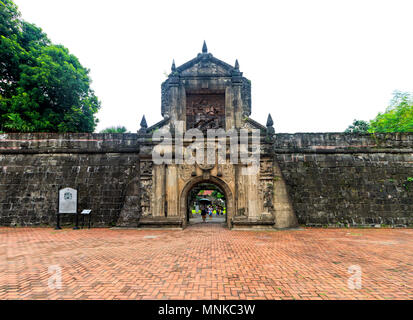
column 144, row 126
column 270, row 124
column 204, row 48
column 236, row 65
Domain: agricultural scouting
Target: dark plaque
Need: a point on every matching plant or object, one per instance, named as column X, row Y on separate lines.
column 205, row 111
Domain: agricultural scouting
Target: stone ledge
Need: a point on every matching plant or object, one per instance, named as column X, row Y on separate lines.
column 160, row 222
column 339, row 150
column 251, row 223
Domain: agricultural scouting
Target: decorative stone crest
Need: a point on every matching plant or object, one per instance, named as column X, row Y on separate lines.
column 146, row 168
column 227, row 172
column 206, row 166
column 205, row 111
column 185, row 172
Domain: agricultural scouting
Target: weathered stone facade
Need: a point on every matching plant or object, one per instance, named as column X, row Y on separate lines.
column 330, row 178
column 338, row 179
column 309, row 178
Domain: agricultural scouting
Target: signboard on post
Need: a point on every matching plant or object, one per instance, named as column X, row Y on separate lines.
column 67, row 201
column 86, row 213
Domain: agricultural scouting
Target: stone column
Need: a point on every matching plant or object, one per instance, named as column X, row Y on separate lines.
column 172, row 192
column 241, row 204
column 229, row 109
column 159, row 184
column 174, row 107
column 252, row 186
column 236, row 81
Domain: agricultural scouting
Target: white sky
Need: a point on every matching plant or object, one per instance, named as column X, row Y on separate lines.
column 315, row 65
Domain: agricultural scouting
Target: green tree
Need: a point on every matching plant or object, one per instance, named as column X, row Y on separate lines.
column 358, row 127
column 118, row 129
column 398, row 117
column 42, row 86
column 217, row 194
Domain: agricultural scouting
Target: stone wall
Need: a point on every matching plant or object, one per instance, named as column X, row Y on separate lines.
column 337, row 179
column 33, row 167
column 331, row 178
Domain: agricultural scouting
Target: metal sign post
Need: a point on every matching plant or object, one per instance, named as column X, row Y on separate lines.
column 77, row 222
column 58, row 227
column 88, row 213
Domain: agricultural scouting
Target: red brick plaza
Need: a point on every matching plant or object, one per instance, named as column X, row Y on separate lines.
column 205, row 262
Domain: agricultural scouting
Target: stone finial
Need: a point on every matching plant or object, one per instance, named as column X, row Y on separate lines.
column 204, row 48
column 173, row 68
column 270, row 123
column 236, row 65
column 236, row 74
column 144, row 125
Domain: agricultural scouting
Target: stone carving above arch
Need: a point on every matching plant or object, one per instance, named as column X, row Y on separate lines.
column 205, row 111
column 227, row 172
column 185, row 171
column 206, row 166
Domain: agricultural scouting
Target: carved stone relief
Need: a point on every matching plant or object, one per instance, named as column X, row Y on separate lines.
column 146, row 193
column 205, row 166
column 266, row 190
column 185, row 171
column 146, row 168
column 266, row 168
column 227, row 172
column 205, row 111
column 247, row 125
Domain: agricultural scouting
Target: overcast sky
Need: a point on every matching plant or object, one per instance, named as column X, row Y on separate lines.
column 314, row 65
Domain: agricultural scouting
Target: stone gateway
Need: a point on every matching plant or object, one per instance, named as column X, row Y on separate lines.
column 312, row 179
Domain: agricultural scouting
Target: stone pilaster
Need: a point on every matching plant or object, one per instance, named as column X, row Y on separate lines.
column 284, row 213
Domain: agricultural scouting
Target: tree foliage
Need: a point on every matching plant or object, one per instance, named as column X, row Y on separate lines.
column 118, row 129
column 217, row 194
column 43, row 87
column 358, row 127
column 398, row 117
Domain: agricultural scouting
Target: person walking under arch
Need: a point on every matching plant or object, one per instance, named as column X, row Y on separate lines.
column 203, row 214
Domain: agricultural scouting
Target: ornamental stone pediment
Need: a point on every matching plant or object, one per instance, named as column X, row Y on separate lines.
column 206, row 68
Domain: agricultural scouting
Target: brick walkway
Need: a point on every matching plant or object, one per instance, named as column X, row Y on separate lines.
column 206, row 262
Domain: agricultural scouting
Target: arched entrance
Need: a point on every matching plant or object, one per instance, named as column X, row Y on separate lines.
column 191, row 191
column 211, row 198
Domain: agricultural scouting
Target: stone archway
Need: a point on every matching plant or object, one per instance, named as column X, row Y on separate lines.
column 213, row 180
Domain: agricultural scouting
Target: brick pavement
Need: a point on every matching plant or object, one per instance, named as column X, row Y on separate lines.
column 206, row 262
